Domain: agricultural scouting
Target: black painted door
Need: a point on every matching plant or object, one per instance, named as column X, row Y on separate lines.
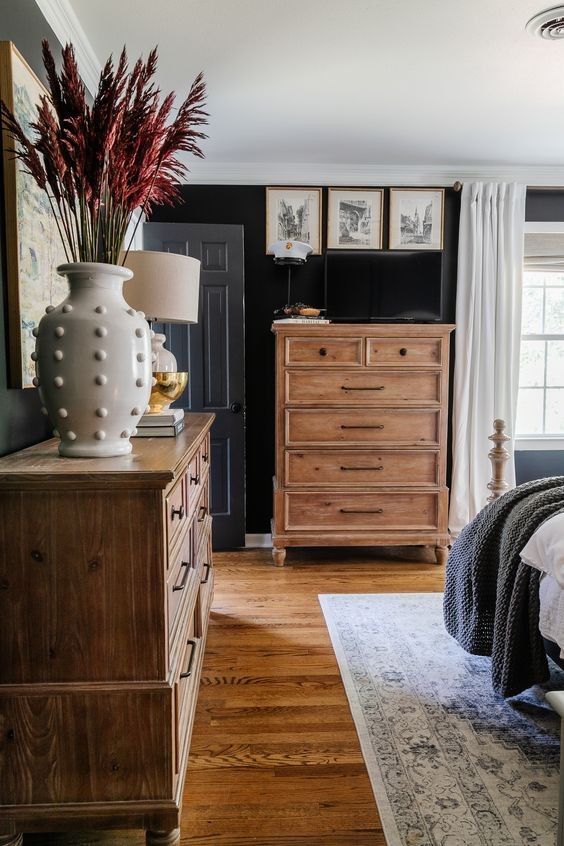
column 212, row 351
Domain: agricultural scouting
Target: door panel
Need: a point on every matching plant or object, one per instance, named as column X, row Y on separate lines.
column 212, row 351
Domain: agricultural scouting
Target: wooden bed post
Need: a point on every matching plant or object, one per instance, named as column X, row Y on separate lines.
column 498, row 457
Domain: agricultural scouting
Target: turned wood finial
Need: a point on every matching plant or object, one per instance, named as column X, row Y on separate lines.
column 498, row 457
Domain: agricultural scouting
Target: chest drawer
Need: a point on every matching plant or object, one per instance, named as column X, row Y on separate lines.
column 181, row 582
column 362, row 387
column 324, row 352
column 409, row 427
column 342, row 511
column 361, row 467
column 404, row 352
column 176, row 507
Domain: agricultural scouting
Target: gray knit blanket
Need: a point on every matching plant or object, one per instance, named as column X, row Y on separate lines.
column 491, row 601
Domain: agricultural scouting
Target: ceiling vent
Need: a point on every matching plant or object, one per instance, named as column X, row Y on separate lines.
column 548, row 24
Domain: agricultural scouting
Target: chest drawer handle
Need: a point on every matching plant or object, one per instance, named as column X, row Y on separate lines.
column 182, row 585
column 205, row 456
column 361, row 510
column 176, row 512
column 403, row 351
column 347, row 388
column 322, row 351
column 362, row 468
column 376, row 426
column 202, row 511
column 188, row 671
column 195, row 480
column 207, row 576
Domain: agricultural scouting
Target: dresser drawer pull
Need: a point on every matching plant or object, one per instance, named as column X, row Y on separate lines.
column 202, row 511
column 403, row 351
column 195, row 480
column 322, row 351
column 376, row 426
column 347, row 388
column 188, row 672
column 177, row 512
column 361, row 510
column 182, row 584
column 205, row 456
column 208, row 571
column 362, row 468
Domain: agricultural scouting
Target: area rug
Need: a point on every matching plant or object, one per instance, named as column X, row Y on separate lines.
column 451, row 763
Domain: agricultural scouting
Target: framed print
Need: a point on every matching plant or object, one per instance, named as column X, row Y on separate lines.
column 294, row 214
column 416, row 218
column 33, row 245
column 354, row 220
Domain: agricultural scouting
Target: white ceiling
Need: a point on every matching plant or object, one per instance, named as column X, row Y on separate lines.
column 364, row 84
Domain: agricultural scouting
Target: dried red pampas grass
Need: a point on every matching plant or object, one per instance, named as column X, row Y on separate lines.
column 100, row 163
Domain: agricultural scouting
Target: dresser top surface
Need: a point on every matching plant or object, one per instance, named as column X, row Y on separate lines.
column 153, row 462
column 365, row 330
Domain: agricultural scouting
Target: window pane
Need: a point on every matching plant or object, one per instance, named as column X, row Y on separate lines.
column 555, row 364
column 530, row 411
column 554, row 314
column 531, row 373
column 532, row 311
column 555, row 411
column 533, row 277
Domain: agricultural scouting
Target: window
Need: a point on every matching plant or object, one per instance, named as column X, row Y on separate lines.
column 540, row 408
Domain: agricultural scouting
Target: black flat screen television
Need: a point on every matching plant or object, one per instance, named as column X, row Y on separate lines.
column 375, row 286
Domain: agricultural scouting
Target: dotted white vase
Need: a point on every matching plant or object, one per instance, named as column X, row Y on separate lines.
column 93, row 363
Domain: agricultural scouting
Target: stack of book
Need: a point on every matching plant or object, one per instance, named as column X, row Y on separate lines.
column 166, row 424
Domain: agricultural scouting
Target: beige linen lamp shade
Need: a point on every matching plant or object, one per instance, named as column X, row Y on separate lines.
column 165, row 286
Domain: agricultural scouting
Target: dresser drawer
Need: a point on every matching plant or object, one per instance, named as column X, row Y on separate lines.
column 361, row 467
column 186, row 690
column 205, row 594
column 342, row 511
column 324, row 352
column 404, row 352
column 193, row 481
column 176, row 506
column 405, row 426
column 362, row 387
column 181, row 582
column 205, row 456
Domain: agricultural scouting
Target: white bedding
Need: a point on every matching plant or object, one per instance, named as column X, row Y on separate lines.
column 551, row 616
column 545, row 552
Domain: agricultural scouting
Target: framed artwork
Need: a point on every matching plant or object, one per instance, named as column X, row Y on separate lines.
column 33, row 245
column 294, row 214
column 354, row 220
column 416, row 218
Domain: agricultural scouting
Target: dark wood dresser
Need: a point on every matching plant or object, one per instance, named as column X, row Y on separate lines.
column 106, row 581
column 361, row 435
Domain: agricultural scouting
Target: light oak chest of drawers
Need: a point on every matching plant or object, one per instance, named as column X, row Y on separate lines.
column 106, row 581
column 361, row 431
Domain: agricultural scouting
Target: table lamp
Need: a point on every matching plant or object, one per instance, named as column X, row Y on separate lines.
column 166, row 287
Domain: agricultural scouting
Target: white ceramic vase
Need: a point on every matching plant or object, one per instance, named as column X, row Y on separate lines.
column 93, row 363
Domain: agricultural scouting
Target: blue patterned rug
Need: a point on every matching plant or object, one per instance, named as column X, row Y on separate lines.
column 451, row 763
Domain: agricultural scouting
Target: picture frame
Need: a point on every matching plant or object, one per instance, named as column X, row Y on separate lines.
column 355, row 218
column 293, row 214
column 33, row 245
column 416, row 218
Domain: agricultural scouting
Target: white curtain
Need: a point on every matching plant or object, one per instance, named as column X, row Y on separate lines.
column 488, row 332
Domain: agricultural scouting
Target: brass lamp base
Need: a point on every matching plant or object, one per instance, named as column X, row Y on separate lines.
column 167, row 388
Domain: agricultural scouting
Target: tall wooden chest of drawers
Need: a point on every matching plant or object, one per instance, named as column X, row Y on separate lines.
column 361, row 429
column 106, row 582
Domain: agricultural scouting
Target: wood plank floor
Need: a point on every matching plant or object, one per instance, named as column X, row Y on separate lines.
column 275, row 759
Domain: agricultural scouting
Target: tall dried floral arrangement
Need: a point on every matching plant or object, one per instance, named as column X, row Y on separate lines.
column 100, row 163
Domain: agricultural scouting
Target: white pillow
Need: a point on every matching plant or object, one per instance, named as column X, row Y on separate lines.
column 545, row 548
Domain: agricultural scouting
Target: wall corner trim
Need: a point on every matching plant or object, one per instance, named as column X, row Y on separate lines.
column 62, row 19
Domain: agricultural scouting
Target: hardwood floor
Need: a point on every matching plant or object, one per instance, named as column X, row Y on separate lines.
column 275, row 758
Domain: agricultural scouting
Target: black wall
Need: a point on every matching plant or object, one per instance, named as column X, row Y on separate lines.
column 265, row 290
column 21, row 422
column 542, row 205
